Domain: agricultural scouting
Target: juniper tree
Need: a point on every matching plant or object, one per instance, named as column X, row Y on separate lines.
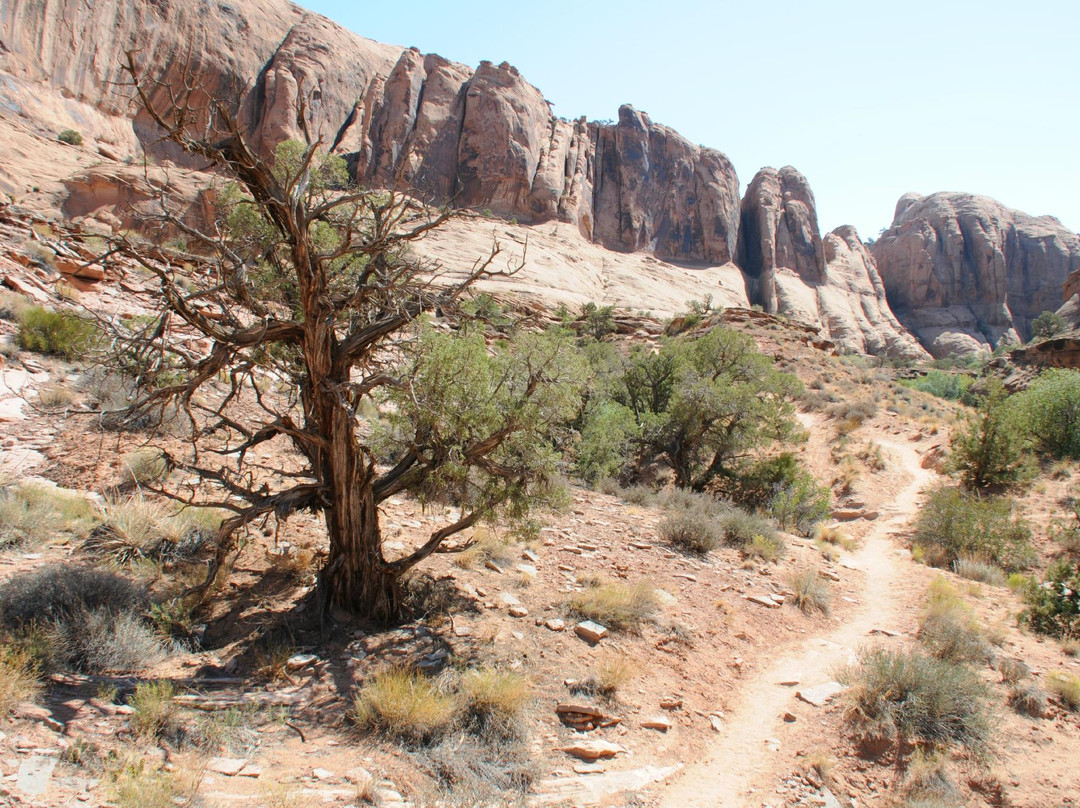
column 308, row 285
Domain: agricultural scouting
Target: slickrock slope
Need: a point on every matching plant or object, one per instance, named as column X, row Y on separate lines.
column 831, row 282
column 963, row 271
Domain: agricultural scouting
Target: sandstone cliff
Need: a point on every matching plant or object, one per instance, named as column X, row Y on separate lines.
column 963, row 271
column 832, row 282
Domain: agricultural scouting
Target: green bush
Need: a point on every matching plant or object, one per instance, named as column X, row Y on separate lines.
column 72, row 136
column 55, row 332
column 906, row 697
column 950, row 386
column 956, row 524
column 1048, row 325
column 1053, row 606
column 606, row 446
column 1050, row 411
column 989, row 448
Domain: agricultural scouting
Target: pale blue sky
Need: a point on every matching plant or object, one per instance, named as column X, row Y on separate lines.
column 868, row 99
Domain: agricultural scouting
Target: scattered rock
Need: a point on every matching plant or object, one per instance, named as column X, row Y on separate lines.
column 230, row 767
column 588, row 768
column 660, row 722
column 528, row 570
column 592, row 749
column 763, row 600
column 790, row 717
column 518, row 611
column 590, row 631
column 671, row 703
column 35, row 774
column 322, row 774
column 299, row 661
column 555, row 624
column 820, row 695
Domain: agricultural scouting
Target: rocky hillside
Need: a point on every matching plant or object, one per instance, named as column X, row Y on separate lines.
column 963, row 271
column 487, row 140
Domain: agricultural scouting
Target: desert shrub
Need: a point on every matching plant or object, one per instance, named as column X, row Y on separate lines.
column 54, row 396
column 949, row 628
column 950, row 386
column 1048, row 325
column 955, row 524
column 691, row 530
column 607, row 485
column 767, row 548
column 975, row 570
column 790, row 492
column 102, row 642
column 156, row 714
column 1066, row 686
column 906, row 697
column 71, row 136
column 1053, row 606
column 927, row 778
column 606, row 446
column 31, row 514
column 144, row 467
column 809, row 591
column 830, row 534
column 55, row 332
column 615, row 605
column 1012, row 670
column 18, row 678
column 474, row 772
column 1071, row 648
column 58, row 592
column 989, row 448
column 740, row 527
column 1027, row 698
column 639, row 495
column 493, row 700
column 1050, row 411
column 404, row 705
column 858, row 411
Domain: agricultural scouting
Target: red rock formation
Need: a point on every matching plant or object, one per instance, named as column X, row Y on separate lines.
column 963, row 271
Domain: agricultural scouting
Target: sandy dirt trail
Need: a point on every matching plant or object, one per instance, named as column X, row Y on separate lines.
column 741, row 758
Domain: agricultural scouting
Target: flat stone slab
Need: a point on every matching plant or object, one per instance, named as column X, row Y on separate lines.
column 592, row 749
column 590, row 631
column 35, row 774
column 763, row 600
column 820, row 695
column 230, row 767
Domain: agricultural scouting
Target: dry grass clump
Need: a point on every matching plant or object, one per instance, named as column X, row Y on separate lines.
column 54, row 396
column 1066, row 686
column 927, row 780
column 830, row 534
column 767, row 548
column 949, row 628
column 34, row 513
column 133, row 787
column 976, row 570
column 1028, row 698
column 102, row 642
column 156, row 714
column 493, row 699
column 1071, row 648
column 57, row 592
column 136, row 528
column 908, row 698
column 809, row 591
column 18, row 679
column 487, row 545
column 616, row 605
column 405, row 705
column 144, row 467
column 614, row 671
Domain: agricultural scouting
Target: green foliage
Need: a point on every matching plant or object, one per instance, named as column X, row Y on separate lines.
column 457, row 396
column 598, row 321
column 909, row 698
column 989, row 447
column 950, row 386
column 607, row 443
column 55, row 332
column 956, row 524
column 70, row 136
column 1053, row 606
column 1048, row 325
column 1050, row 411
